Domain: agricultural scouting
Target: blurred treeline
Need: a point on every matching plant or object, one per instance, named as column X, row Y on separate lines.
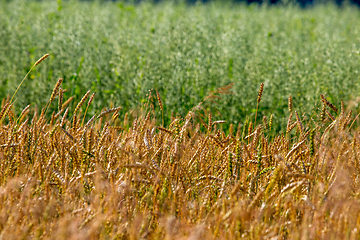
column 301, row 3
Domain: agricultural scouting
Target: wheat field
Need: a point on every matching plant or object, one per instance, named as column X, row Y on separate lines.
column 130, row 177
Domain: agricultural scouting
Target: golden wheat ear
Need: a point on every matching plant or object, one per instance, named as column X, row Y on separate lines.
column 4, row 110
column 54, row 93
column 55, row 90
column 290, row 103
column 261, row 89
column 87, row 107
column 41, row 59
column 328, row 103
column 161, row 106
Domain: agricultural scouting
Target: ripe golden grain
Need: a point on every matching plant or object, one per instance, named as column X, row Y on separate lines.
column 61, row 98
column 91, row 99
column 41, row 59
column 159, row 100
column 289, row 123
column 3, row 110
column 290, row 103
column 330, row 115
column 83, row 99
column 67, row 102
column 56, row 89
column 261, row 89
column 165, row 130
column 140, row 181
column 347, row 120
column 323, row 112
column 328, row 103
column 298, row 121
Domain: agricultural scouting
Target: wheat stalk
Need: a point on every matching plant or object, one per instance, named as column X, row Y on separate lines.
column 328, row 103
column 261, row 89
column 161, row 107
column 87, row 107
column 83, row 99
column 37, row 63
column 56, row 89
column 299, row 123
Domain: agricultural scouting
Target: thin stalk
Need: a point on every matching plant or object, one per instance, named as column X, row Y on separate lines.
column 37, row 63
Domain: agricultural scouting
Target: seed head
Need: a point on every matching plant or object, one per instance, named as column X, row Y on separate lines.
column 91, row 99
column 290, row 103
column 328, row 103
column 298, row 120
column 271, row 121
column 56, row 89
column 322, row 114
column 260, row 92
column 82, row 102
column 41, row 59
column 61, row 99
column 159, row 100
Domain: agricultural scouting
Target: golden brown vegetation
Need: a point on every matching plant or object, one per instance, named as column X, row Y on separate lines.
column 63, row 179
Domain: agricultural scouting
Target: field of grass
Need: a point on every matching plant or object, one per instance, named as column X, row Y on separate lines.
column 175, row 122
column 113, row 178
column 122, row 51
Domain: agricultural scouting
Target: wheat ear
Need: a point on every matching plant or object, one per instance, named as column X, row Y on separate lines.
column 261, row 89
column 290, row 104
column 298, row 120
column 61, row 99
column 54, row 92
column 2, row 113
column 161, row 106
column 87, row 107
column 83, row 99
column 328, row 103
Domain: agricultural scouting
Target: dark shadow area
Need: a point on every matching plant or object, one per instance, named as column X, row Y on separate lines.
column 301, row 3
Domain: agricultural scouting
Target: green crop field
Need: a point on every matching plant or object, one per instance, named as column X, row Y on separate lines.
column 121, row 51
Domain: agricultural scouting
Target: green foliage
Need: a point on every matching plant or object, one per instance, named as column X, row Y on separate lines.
column 120, row 51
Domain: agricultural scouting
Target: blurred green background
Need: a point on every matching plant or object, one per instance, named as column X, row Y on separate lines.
column 121, row 51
